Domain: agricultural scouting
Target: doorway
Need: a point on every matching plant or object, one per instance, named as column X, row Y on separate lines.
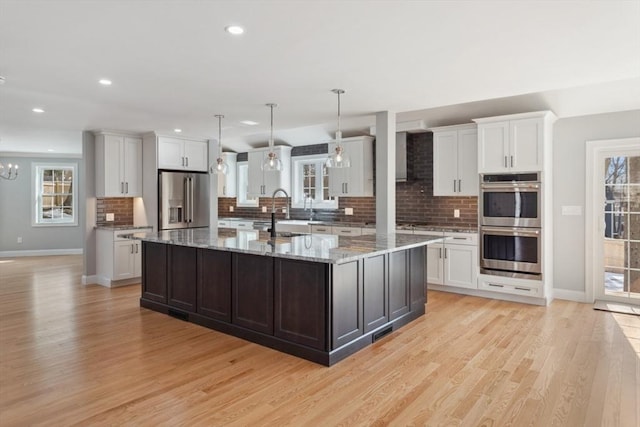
column 613, row 220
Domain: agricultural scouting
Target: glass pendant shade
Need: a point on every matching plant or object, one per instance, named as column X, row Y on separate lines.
column 220, row 167
column 339, row 158
column 271, row 162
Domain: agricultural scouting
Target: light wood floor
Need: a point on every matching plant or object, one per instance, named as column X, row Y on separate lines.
column 89, row 355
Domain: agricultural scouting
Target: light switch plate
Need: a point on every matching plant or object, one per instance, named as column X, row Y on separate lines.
column 264, row 209
column 456, row 213
column 348, row 211
column 111, row 217
column 230, row 208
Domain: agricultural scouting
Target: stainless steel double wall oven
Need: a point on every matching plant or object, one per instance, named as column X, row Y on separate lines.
column 511, row 225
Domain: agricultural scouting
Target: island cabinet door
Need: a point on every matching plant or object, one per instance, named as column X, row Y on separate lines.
column 376, row 310
column 182, row 278
column 417, row 277
column 214, row 284
column 301, row 302
column 346, row 303
column 154, row 272
column 399, row 299
column 252, row 292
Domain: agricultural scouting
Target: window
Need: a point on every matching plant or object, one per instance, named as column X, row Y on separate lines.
column 243, row 186
column 55, row 189
column 310, row 178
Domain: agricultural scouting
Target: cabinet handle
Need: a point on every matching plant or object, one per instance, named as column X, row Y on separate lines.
column 445, row 253
column 505, row 162
column 136, row 248
column 511, row 161
column 459, row 186
column 187, row 161
column 132, row 248
column 440, row 253
column 454, row 185
column 182, row 161
column 495, row 286
column 224, row 190
column 346, row 188
column 122, row 188
column 523, row 289
column 127, row 185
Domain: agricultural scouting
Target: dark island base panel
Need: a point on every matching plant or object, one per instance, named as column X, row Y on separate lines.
column 317, row 356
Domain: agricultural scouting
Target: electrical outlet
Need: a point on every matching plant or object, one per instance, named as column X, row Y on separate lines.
column 20, row 240
column 264, row 209
column 348, row 211
column 111, row 217
column 230, row 208
column 284, row 210
column 456, row 213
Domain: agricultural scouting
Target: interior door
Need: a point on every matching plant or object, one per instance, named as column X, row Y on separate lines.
column 619, row 232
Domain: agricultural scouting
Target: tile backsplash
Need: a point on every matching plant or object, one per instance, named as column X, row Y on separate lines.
column 415, row 202
column 121, row 207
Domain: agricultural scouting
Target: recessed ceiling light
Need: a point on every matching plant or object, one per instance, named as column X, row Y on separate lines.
column 105, row 82
column 38, row 110
column 50, row 150
column 177, row 130
column 234, row 29
column 249, row 122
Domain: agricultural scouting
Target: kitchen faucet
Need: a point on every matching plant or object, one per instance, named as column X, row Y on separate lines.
column 273, row 210
column 311, row 213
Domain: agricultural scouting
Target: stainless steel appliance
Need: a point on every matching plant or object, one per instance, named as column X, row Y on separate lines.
column 183, row 200
column 511, row 251
column 510, row 200
column 511, row 225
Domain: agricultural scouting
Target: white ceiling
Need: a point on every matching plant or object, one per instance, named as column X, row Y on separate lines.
column 173, row 65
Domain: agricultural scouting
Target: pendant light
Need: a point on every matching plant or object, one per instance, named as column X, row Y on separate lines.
column 339, row 158
column 271, row 162
column 220, row 167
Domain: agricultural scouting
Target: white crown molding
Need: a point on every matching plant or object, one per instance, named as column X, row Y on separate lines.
column 41, row 155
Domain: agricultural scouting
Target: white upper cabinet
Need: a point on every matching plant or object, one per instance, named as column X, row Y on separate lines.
column 515, row 143
column 263, row 184
column 182, row 154
column 357, row 180
column 118, row 165
column 455, row 161
column 227, row 186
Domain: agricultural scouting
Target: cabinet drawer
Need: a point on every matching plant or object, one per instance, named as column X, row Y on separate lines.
column 244, row 225
column 461, row 238
column 532, row 288
column 224, row 224
column 347, row 231
column 321, row 229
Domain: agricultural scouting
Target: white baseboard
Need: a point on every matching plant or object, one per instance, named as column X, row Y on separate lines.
column 42, row 252
column 566, row 294
column 105, row 281
column 488, row 294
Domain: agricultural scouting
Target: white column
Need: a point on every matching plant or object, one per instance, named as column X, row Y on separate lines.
column 385, row 172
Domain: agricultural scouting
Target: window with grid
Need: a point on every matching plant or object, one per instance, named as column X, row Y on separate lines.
column 55, row 201
column 311, row 180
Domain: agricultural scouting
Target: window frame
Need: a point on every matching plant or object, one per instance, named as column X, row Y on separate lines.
column 241, row 196
column 297, row 200
column 37, row 170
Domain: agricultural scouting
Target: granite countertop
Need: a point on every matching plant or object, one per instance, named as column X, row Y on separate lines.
column 323, row 248
column 121, row 227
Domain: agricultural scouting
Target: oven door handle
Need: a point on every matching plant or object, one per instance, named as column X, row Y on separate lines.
column 510, row 187
column 503, row 231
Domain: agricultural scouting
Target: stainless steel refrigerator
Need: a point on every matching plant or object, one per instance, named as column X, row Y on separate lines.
column 183, row 200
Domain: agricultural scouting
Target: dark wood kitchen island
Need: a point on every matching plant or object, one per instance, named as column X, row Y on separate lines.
column 316, row 296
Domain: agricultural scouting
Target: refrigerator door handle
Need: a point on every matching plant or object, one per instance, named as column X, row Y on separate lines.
column 186, row 199
column 191, row 200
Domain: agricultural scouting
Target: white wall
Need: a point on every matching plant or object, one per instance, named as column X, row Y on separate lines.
column 15, row 212
column 569, row 137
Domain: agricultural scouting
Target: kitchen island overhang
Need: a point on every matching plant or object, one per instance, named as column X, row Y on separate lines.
column 316, row 296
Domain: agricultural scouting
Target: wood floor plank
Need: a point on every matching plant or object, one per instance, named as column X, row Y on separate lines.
column 88, row 355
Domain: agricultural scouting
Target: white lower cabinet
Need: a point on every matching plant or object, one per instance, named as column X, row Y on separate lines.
column 455, row 262
column 118, row 258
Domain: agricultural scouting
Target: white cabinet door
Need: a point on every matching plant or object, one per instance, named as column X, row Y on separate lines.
column 170, row 155
column 525, row 145
column 196, row 156
column 227, row 184
column 357, row 180
column 493, row 147
column 255, row 187
column 460, row 265
column 123, row 259
column 113, row 167
column 435, row 269
column 467, row 163
column 132, row 159
column 445, row 163
column 137, row 259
